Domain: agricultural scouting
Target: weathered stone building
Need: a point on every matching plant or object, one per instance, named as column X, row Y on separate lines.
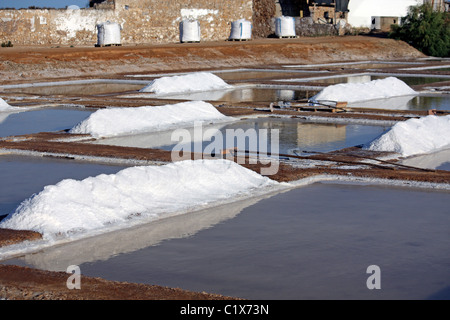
column 142, row 21
column 157, row 21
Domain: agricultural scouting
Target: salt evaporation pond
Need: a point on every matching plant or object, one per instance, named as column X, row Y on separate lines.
column 430, row 101
column 237, row 95
column 41, row 120
column 354, row 65
column 254, row 74
column 22, row 176
column 421, row 102
column 388, row 93
column 238, row 75
column 439, row 160
column 444, row 166
column 410, row 80
column 314, row 242
column 293, row 135
column 78, row 88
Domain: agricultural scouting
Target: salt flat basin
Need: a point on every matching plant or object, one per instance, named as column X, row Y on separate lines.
column 238, row 74
column 41, row 120
column 22, row 176
column 419, row 102
column 354, row 65
column 78, row 88
column 292, row 134
column 314, row 242
column 410, row 80
column 254, row 74
column 236, row 95
column 439, row 160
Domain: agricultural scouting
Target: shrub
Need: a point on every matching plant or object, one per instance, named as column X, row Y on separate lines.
column 426, row 30
column 7, row 44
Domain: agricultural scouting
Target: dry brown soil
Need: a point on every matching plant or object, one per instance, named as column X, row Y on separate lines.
column 31, row 63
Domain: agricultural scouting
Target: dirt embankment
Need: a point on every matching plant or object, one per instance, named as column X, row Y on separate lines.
column 43, row 63
column 22, row 283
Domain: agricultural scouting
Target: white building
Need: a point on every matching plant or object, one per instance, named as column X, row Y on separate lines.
column 361, row 12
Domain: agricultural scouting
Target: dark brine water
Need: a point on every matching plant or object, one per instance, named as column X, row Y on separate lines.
column 315, row 242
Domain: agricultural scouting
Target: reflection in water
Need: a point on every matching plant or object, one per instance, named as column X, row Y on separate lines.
column 43, row 120
column 108, row 245
column 416, row 80
column 444, row 166
column 22, row 176
column 409, row 80
column 294, row 245
column 3, row 116
column 292, row 135
column 425, row 102
column 353, row 65
column 79, row 89
column 419, row 103
column 244, row 95
column 255, row 75
column 436, row 160
column 394, row 103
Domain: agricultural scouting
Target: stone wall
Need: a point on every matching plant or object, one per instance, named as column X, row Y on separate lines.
column 263, row 13
column 142, row 21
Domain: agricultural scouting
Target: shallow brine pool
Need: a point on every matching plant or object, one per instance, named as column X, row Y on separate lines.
column 419, row 102
column 258, row 75
column 22, row 176
column 315, row 242
column 354, row 65
column 410, row 80
column 78, row 88
column 237, row 95
column 439, row 160
column 293, row 135
column 41, row 120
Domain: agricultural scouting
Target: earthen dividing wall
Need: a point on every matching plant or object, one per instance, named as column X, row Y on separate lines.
column 142, row 21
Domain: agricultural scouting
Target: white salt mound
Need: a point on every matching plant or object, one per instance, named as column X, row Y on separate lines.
column 199, row 81
column 97, row 203
column 4, row 106
column 354, row 92
column 415, row 136
column 120, row 121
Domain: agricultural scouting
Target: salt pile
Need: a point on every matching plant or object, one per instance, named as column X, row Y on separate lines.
column 147, row 193
column 355, row 92
column 4, row 106
column 415, row 136
column 194, row 82
column 120, row 121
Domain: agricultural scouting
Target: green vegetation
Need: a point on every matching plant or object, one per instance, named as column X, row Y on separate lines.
column 7, row 44
column 426, row 30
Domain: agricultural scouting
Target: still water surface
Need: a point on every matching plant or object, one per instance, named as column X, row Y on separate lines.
column 314, row 242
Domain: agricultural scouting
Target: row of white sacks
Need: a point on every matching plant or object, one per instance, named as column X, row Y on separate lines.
column 190, row 30
column 109, row 32
column 240, row 29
